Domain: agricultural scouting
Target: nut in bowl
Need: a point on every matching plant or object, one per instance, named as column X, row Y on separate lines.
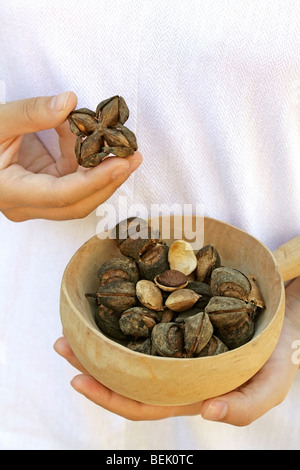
column 183, row 378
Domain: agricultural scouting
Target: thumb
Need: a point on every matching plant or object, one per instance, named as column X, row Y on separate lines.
column 35, row 114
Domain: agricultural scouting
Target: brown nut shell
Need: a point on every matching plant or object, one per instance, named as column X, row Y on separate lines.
column 213, row 348
column 153, row 260
column 133, row 235
column 117, row 295
column 182, row 257
column 255, row 294
column 118, row 269
column 149, row 295
column 235, row 335
column 171, row 280
column 181, row 300
column 224, row 311
column 230, row 282
column 167, row 340
column 198, row 331
column 107, row 321
column 138, row 322
column 208, row 259
column 140, row 345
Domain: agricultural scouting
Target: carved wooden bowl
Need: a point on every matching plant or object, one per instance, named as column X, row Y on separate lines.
column 170, row 381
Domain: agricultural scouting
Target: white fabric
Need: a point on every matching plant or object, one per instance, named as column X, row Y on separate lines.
column 214, row 93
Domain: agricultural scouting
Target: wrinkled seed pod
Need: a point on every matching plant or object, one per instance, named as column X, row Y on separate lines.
column 138, row 322
column 118, row 269
column 224, row 311
column 153, row 261
column 213, row 348
column 198, row 331
column 134, row 235
column 182, row 257
column 141, row 345
column 82, row 121
column 117, row 295
column 181, row 300
column 182, row 316
column 208, row 259
column 233, row 320
column 107, row 321
column 235, row 335
column 167, row 340
column 230, row 282
column 130, row 225
column 171, row 280
column 149, row 295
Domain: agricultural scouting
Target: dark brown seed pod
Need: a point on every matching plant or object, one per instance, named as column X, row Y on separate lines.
column 167, row 340
column 141, row 345
column 118, row 269
column 198, row 331
column 102, row 133
column 226, row 311
column 128, row 228
column 208, row 259
column 138, row 322
column 82, row 121
column 153, row 260
column 134, row 236
column 213, row 348
column 235, row 335
column 171, row 280
column 182, row 316
column 233, row 320
column 230, row 282
column 107, row 321
column 112, row 111
column 117, row 295
column 203, row 290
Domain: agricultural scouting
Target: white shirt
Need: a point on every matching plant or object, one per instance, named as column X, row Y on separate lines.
column 213, row 89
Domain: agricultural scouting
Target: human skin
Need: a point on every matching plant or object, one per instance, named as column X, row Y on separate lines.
column 35, row 185
column 239, row 407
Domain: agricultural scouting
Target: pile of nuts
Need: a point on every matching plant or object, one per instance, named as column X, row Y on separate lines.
column 173, row 302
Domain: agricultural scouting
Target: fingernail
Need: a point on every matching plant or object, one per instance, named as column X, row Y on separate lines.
column 216, row 411
column 58, row 103
column 134, row 164
column 74, row 383
column 122, row 170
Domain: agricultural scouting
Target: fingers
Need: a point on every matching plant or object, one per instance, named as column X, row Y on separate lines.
column 111, row 401
column 126, row 407
column 47, row 192
column 35, row 114
column 83, row 207
column 61, row 346
column 67, row 163
column 261, row 393
column 243, row 406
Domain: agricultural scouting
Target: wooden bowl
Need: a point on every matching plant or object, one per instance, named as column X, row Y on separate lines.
column 170, row 381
